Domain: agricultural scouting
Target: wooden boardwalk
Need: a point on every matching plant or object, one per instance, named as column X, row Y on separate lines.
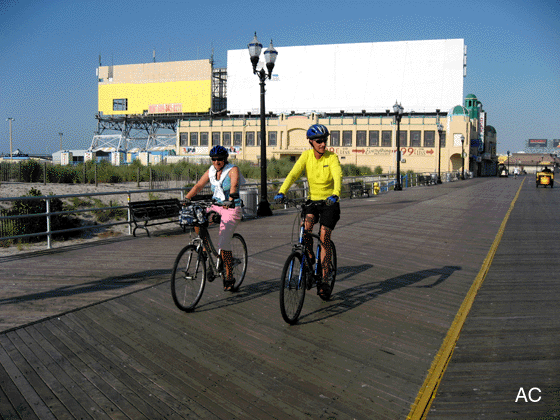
column 92, row 332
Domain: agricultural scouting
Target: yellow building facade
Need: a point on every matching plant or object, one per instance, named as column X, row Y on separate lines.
column 363, row 140
column 155, row 88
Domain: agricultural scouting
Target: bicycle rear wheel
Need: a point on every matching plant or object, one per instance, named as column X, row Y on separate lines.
column 188, row 278
column 292, row 288
column 240, row 256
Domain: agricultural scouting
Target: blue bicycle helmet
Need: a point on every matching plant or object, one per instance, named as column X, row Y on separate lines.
column 219, row 151
column 317, row 131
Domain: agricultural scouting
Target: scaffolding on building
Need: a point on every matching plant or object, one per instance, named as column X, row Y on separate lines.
column 125, row 132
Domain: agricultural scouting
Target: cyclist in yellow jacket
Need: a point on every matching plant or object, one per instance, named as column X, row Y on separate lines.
column 324, row 177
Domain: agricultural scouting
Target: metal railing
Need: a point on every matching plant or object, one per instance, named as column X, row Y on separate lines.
column 385, row 182
column 48, row 214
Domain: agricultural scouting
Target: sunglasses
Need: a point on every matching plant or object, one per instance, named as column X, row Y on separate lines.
column 320, row 141
column 217, row 159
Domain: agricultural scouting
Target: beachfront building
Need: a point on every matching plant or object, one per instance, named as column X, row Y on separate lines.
column 440, row 129
column 364, row 139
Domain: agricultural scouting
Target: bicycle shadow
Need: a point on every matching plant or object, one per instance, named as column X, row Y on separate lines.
column 107, row 284
column 349, row 299
column 245, row 293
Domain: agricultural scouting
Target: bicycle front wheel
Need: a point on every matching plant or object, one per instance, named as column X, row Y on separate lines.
column 292, row 288
column 188, row 278
column 240, row 256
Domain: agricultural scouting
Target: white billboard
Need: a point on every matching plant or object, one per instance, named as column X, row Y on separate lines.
column 421, row 75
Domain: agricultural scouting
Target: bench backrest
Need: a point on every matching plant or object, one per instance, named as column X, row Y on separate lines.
column 155, row 209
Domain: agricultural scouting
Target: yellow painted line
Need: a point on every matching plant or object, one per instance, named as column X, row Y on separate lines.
column 421, row 406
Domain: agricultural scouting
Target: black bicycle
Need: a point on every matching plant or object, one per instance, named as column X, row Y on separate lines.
column 302, row 270
column 199, row 262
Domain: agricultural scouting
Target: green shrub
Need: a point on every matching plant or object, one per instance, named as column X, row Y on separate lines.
column 31, row 225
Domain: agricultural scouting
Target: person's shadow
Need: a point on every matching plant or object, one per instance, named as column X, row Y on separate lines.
column 349, row 299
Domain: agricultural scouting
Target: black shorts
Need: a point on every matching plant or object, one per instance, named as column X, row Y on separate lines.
column 327, row 216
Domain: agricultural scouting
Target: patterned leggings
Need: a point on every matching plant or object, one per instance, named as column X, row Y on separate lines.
column 326, row 249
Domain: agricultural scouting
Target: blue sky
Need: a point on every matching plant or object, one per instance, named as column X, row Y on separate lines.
column 49, row 51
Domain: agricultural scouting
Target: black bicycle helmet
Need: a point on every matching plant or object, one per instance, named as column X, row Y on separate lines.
column 219, row 151
column 317, row 131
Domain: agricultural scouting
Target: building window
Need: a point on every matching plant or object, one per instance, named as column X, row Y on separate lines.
column 249, row 138
column 361, row 139
column 429, row 138
column 415, row 139
column 347, row 139
column 226, row 139
column 215, row 139
column 387, row 139
column 194, row 139
column 335, row 138
column 443, row 138
column 237, row 138
column 204, row 139
column 272, row 138
column 184, row 140
column 374, row 139
column 120, row 104
column 403, row 139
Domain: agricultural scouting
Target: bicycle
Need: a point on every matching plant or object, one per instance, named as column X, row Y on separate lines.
column 199, row 262
column 300, row 273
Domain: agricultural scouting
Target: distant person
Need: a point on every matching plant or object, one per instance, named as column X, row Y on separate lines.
column 546, row 169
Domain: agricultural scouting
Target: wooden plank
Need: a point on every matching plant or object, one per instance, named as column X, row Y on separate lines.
column 43, row 367
column 92, row 370
column 406, row 261
column 59, row 366
column 511, row 337
column 70, row 363
column 13, row 404
column 39, row 398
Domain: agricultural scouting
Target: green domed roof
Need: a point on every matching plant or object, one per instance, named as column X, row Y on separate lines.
column 460, row 110
column 490, row 129
column 471, row 96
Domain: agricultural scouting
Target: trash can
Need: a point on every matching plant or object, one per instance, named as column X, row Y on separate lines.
column 249, row 198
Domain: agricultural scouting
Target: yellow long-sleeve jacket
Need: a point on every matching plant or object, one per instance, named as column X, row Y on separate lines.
column 324, row 175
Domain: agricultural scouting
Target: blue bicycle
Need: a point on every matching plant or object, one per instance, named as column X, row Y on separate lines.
column 302, row 270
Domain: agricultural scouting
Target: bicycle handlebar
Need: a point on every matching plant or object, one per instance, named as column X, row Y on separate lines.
column 302, row 203
column 206, row 203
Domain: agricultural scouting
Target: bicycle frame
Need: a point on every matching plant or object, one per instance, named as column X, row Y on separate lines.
column 204, row 241
column 301, row 247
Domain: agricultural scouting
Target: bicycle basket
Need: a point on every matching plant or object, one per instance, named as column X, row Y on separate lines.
column 192, row 215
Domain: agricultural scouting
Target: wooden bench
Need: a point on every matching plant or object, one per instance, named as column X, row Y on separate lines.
column 150, row 210
column 357, row 189
column 424, row 179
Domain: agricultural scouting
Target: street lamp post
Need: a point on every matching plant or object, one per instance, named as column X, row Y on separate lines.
column 270, row 58
column 60, row 134
column 10, row 119
column 398, row 110
column 508, row 161
column 462, row 157
column 440, row 131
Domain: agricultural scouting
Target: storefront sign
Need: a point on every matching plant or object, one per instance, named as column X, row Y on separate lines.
column 165, row 108
column 377, row 151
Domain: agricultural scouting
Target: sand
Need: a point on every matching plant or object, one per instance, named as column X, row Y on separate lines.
column 18, row 189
